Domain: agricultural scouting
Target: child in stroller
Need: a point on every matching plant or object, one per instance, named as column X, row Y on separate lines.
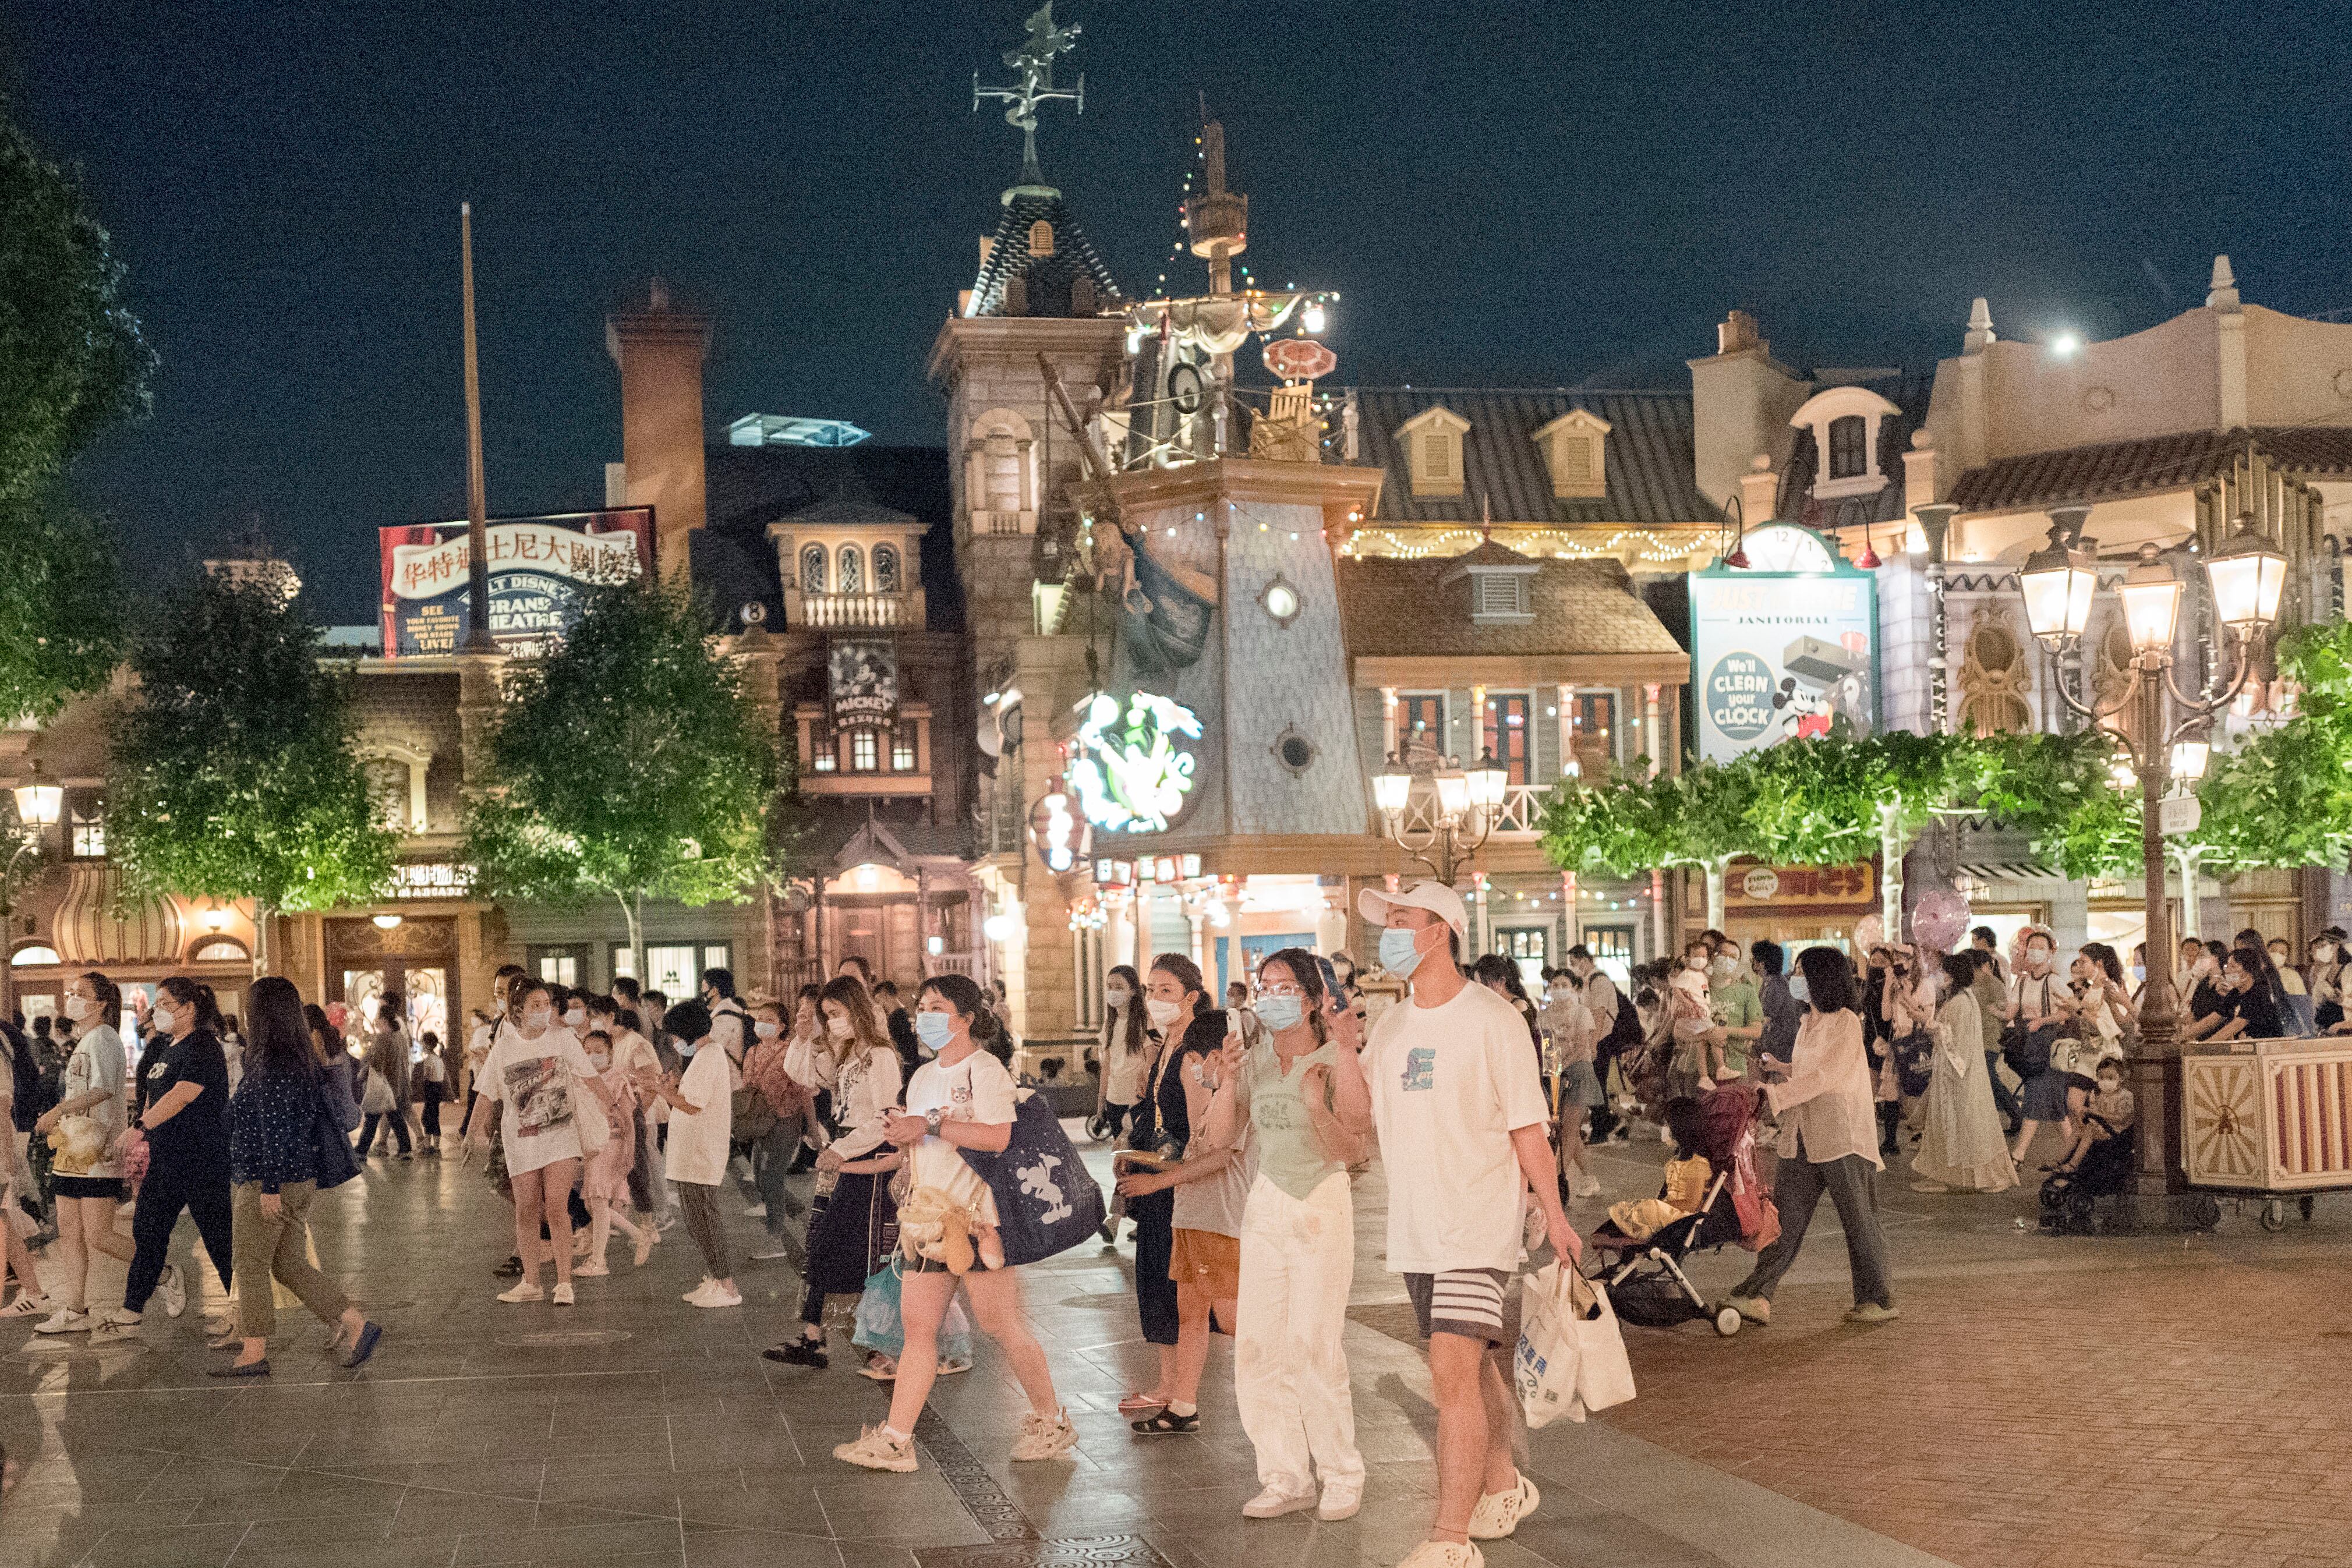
column 1644, row 1273
column 2099, row 1161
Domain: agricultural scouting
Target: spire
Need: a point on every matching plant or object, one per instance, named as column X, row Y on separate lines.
column 1217, row 219
column 2223, row 293
column 1034, row 61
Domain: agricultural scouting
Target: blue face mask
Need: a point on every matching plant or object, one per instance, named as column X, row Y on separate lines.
column 2139, row 974
column 1281, row 1013
column 1799, row 989
column 1400, row 953
column 933, row 1030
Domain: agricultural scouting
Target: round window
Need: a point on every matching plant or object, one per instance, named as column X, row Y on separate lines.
column 1279, row 599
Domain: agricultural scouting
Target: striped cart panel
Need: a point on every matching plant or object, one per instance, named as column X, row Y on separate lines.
column 2273, row 1117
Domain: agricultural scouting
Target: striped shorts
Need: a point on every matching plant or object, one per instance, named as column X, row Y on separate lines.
column 1465, row 1301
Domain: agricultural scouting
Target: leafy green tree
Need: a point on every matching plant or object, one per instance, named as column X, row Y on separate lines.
column 233, row 773
column 1630, row 823
column 2062, row 791
column 71, row 363
column 628, row 763
column 2284, row 797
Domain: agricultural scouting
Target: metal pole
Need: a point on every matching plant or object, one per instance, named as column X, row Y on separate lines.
column 2156, row 1067
column 478, row 527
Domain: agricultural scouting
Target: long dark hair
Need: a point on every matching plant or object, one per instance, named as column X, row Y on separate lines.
column 1829, row 979
column 858, row 1003
column 1133, row 1027
column 1185, row 972
column 196, row 995
column 325, row 1037
column 277, row 1042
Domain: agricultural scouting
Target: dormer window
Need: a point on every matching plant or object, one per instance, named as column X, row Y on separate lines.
column 1849, row 447
column 1846, row 421
column 1499, row 596
column 1432, row 446
column 1041, row 238
column 1575, row 452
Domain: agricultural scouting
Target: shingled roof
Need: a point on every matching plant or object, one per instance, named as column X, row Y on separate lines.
column 1047, row 279
column 2116, row 470
column 1389, row 606
column 1648, row 456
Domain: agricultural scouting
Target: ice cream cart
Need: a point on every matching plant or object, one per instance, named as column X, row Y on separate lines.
column 2268, row 1120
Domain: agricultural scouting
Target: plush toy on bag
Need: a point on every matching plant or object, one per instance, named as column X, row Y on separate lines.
column 933, row 1225
column 1572, row 1356
column 76, row 1145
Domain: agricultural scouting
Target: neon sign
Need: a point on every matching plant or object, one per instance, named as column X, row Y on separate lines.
column 1133, row 771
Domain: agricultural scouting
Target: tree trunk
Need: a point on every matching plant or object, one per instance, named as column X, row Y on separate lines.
column 1714, row 894
column 264, row 917
column 633, row 910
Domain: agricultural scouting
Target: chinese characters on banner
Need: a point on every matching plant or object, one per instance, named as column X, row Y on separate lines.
column 864, row 681
column 538, row 565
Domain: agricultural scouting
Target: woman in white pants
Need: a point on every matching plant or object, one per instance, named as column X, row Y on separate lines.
column 1303, row 1091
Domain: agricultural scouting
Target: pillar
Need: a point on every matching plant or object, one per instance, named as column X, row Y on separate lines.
column 1566, row 703
column 660, row 351
column 1650, row 729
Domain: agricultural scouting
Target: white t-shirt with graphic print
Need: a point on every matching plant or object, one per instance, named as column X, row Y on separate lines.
column 977, row 1089
column 1449, row 1083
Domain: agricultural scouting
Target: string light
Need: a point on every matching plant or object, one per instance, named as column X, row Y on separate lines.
column 1455, row 541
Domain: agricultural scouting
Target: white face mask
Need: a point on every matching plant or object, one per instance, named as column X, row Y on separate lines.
column 764, row 1029
column 840, row 1027
column 2109, row 1085
column 536, row 1020
column 77, row 1009
column 574, row 1016
column 1117, row 996
column 600, row 1059
column 165, row 1019
column 1163, row 1013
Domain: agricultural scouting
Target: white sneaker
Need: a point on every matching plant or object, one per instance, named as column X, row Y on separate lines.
column 1498, row 1513
column 755, row 1211
column 877, row 1449
column 1584, row 1183
column 1274, row 1502
column 1340, row 1500
column 1443, row 1555
column 563, row 1297
column 1043, row 1436
column 65, row 1320
column 27, row 1305
column 714, row 1294
column 114, row 1327
column 522, row 1291
column 694, row 1298
column 175, row 1291
column 769, row 1252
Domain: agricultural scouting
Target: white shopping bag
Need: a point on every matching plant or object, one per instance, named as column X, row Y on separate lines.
column 1544, row 1367
column 1603, row 1375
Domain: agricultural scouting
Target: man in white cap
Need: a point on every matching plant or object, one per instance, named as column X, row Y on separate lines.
column 1459, row 1104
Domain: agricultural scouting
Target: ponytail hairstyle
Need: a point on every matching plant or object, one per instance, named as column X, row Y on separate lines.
column 1182, row 970
column 1302, row 968
column 196, row 995
column 110, row 1003
column 963, row 994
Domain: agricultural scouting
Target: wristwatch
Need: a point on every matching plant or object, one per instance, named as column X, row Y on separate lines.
column 932, row 1119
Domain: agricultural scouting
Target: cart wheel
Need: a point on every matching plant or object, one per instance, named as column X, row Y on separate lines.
column 2305, row 1204
column 2077, row 1209
column 2274, row 1215
column 2208, row 1211
column 1726, row 1322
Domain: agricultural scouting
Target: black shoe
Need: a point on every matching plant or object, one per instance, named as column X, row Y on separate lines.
column 1165, row 1423
column 509, row 1270
column 249, row 1369
column 799, row 1352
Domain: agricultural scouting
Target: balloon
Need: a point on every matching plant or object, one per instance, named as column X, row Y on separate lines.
column 1869, row 931
column 1941, row 919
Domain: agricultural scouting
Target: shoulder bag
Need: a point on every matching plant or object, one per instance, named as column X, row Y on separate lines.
column 1045, row 1201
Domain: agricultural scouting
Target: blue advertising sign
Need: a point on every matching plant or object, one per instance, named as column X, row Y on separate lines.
column 1783, row 653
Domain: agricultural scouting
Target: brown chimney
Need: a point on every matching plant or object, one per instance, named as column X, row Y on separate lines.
column 660, row 351
column 1734, row 332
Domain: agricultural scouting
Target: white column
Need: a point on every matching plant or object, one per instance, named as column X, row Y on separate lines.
column 1649, row 726
column 1388, row 722
column 1567, row 731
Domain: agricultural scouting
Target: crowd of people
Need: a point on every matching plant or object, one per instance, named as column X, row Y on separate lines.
column 1241, row 1130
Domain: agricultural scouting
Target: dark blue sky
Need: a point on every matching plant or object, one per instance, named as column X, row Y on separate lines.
column 1521, row 195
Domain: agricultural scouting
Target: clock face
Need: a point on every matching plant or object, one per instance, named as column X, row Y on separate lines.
column 1782, row 547
column 1184, row 387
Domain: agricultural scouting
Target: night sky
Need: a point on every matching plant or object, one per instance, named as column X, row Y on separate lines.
column 1510, row 194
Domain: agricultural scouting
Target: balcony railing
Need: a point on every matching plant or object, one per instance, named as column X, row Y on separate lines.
column 1521, row 811
column 853, row 609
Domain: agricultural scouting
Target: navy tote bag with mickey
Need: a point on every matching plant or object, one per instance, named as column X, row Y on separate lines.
column 1045, row 1201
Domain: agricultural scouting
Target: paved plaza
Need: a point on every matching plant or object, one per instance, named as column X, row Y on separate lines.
column 2080, row 1403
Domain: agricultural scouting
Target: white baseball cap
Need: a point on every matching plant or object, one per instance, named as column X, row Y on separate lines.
column 1373, row 903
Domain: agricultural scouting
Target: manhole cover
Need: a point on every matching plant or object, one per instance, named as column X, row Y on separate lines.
column 1102, row 1300
column 563, row 1339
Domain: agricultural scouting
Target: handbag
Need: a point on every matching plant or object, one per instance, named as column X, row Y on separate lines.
column 331, row 1144
column 750, row 1116
column 1543, row 1367
column 588, row 1117
column 1604, row 1375
column 1915, row 1061
column 376, row 1099
column 1046, row 1203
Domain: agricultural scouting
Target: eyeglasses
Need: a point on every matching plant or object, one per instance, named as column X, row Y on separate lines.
column 1283, row 990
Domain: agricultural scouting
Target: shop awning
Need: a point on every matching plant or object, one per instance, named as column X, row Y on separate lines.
column 2008, row 871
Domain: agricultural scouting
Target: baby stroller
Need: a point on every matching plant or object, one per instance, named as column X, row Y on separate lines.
column 2069, row 1198
column 1646, row 1282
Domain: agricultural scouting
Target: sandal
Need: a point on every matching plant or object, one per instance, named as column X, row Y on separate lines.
column 951, row 1365
column 1165, row 1423
column 1136, row 1404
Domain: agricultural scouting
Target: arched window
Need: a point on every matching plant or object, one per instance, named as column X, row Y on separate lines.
column 1041, row 238
column 851, row 571
column 813, row 569
column 885, row 569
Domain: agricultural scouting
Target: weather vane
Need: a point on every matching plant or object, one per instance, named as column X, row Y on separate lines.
column 1034, row 62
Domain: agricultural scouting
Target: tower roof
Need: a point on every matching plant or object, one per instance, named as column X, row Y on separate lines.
column 1047, row 263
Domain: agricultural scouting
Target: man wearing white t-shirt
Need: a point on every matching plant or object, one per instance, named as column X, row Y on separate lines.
column 1459, row 1104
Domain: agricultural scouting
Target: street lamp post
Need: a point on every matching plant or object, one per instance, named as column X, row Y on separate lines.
column 2059, row 582
column 1468, row 803
column 39, row 804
